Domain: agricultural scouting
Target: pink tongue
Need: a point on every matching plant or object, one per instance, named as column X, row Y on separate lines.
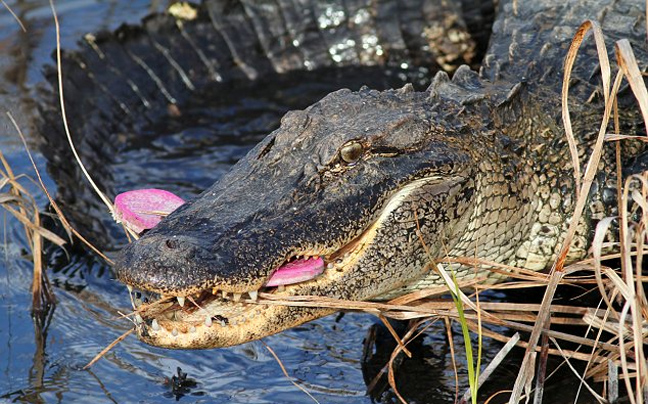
column 297, row 271
column 144, row 208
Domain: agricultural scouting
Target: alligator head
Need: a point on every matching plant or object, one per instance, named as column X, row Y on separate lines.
column 358, row 182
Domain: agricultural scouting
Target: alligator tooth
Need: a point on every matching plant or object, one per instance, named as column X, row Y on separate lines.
column 138, row 302
column 224, row 295
column 329, row 265
column 169, row 315
column 237, row 297
column 155, row 325
column 138, row 319
column 223, row 323
column 281, row 288
column 208, row 321
column 130, row 288
column 174, row 332
column 254, row 294
column 192, row 329
column 181, row 301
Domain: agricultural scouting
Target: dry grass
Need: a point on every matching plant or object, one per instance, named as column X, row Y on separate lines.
column 286, row 375
column 613, row 334
column 13, row 14
column 16, row 199
column 21, row 204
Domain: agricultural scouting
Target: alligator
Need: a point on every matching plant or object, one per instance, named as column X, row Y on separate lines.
column 371, row 187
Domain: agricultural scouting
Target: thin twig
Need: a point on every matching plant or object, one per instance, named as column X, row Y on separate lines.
column 61, row 217
column 22, row 26
column 101, row 195
column 285, row 372
column 108, row 348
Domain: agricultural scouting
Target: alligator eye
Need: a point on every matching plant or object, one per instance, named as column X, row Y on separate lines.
column 351, row 152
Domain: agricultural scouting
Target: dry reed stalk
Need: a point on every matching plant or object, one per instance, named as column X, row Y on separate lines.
column 15, row 17
column 18, row 201
column 628, row 69
column 108, row 348
column 285, row 372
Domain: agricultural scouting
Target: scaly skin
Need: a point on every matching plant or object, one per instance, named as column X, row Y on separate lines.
column 477, row 167
column 119, row 83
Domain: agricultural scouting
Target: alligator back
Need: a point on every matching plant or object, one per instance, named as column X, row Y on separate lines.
column 530, row 40
column 122, row 85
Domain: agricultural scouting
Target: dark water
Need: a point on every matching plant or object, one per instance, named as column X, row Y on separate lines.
column 42, row 362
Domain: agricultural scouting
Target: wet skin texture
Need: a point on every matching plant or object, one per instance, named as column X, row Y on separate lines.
column 475, row 166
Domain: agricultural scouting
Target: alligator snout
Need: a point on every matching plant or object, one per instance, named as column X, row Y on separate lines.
column 181, row 248
column 159, row 263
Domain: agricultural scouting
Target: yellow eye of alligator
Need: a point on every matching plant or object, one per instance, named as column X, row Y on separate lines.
column 351, row 152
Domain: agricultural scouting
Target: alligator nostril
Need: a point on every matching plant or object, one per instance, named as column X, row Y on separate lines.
column 171, row 244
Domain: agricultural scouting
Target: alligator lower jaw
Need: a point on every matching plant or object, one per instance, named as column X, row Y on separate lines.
column 214, row 318
column 251, row 322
